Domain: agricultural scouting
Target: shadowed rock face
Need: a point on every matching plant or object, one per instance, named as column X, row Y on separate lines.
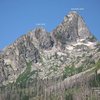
column 44, row 50
column 44, row 38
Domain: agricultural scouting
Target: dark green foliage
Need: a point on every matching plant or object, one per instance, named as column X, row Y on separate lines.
column 80, row 69
column 97, row 65
column 98, row 46
column 69, row 97
column 95, row 82
column 25, row 97
column 98, row 50
column 59, row 35
column 61, row 38
column 25, row 76
column 35, row 89
column 92, row 38
column 69, row 71
column 55, row 68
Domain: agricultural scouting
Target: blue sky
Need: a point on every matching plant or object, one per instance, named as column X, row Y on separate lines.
column 17, row 17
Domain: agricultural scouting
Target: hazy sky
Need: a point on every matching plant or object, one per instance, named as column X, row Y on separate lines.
column 17, row 17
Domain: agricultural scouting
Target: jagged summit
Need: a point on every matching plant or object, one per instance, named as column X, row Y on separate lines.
column 71, row 14
column 40, row 29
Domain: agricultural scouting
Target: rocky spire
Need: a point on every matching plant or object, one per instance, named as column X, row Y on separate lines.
column 72, row 28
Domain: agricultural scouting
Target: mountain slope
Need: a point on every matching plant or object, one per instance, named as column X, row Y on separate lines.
column 70, row 46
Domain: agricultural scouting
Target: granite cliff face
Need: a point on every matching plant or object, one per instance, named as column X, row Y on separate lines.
column 70, row 44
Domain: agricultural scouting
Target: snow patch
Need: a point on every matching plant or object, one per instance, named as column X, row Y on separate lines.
column 7, row 61
column 70, row 18
column 70, row 47
column 61, row 53
column 80, row 40
column 78, row 43
column 90, row 44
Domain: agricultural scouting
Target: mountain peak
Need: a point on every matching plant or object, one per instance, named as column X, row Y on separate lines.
column 73, row 13
column 72, row 28
column 40, row 29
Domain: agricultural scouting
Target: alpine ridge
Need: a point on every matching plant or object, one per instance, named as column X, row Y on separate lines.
column 70, row 51
column 71, row 39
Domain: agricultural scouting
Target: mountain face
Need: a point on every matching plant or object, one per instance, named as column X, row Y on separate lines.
column 71, row 29
column 69, row 45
